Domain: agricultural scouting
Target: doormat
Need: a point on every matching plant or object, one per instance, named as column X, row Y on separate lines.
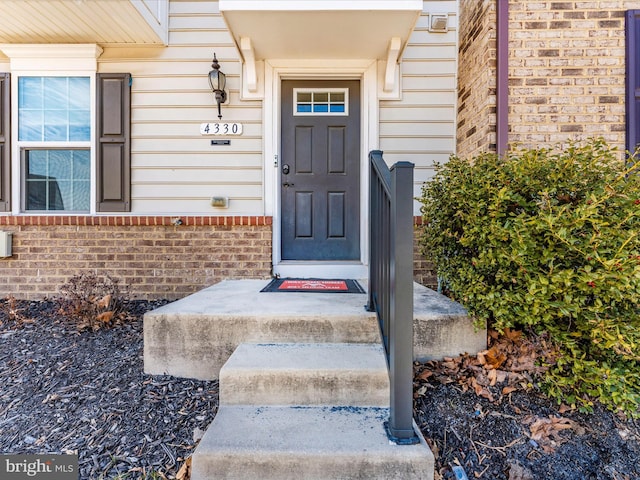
column 313, row 285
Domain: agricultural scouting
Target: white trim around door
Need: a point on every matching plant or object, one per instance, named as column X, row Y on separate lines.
column 275, row 72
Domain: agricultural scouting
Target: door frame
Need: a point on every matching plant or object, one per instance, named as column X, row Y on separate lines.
column 275, row 72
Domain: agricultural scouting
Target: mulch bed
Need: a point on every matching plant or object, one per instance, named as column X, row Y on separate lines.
column 484, row 413
column 85, row 392
column 69, row 392
column 493, row 441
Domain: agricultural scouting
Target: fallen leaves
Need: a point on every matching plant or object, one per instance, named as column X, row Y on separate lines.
column 185, row 470
column 507, row 390
column 105, row 317
column 93, row 303
column 105, row 301
column 518, row 472
column 492, row 358
column 10, row 307
column 512, row 362
column 518, row 435
column 546, row 431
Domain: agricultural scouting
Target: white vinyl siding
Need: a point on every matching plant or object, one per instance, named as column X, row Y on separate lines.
column 175, row 170
column 421, row 127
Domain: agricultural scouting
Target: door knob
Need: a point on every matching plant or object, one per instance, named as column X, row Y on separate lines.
column 287, row 184
column 285, row 169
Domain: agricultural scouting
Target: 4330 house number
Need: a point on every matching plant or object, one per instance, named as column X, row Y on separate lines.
column 220, row 129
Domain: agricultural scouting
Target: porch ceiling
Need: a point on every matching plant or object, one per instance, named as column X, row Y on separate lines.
column 331, row 29
column 82, row 21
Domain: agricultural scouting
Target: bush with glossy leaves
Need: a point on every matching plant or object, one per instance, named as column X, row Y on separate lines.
column 548, row 240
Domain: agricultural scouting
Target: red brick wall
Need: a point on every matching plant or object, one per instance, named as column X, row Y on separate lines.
column 566, row 73
column 155, row 257
column 423, row 271
column 152, row 255
column 477, row 78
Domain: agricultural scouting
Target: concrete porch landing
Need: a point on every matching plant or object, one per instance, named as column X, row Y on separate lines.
column 193, row 337
column 304, row 387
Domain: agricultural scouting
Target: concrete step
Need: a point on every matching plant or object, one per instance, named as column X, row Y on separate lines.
column 195, row 336
column 306, row 374
column 308, row 443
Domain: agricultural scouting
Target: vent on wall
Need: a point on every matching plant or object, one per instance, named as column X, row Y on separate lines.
column 439, row 23
column 5, row 244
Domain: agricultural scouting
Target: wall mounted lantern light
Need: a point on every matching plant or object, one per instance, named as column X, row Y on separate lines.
column 217, row 82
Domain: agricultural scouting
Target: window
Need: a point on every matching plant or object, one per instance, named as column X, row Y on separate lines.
column 57, row 179
column 54, row 114
column 331, row 101
column 65, row 133
column 54, row 109
column 5, row 146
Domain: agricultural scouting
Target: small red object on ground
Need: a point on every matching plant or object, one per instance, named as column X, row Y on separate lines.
column 320, row 285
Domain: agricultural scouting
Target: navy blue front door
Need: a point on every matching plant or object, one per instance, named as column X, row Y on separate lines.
column 320, row 170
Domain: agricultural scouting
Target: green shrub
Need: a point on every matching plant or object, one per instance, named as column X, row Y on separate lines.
column 548, row 240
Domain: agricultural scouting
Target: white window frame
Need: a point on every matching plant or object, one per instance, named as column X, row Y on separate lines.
column 50, row 60
column 23, row 145
column 344, row 91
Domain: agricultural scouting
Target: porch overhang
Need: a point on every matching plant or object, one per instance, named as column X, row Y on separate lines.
column 103, row 22
column 320, row 29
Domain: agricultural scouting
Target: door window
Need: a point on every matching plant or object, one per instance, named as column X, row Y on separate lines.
column 333, row 101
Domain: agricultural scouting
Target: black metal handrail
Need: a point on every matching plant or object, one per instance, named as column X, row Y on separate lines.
column 391, row 283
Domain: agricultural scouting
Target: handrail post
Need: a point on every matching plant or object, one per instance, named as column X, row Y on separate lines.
column 391, row 284
column 373, row 226
column 401, row 324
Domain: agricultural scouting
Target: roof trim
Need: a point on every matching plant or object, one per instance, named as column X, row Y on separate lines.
column 319, row 5
column 78, row 57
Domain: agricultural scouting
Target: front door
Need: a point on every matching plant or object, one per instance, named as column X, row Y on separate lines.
column 320, row 170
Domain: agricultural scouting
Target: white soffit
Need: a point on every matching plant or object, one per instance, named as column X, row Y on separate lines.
column 320, row 29
column 114, row 22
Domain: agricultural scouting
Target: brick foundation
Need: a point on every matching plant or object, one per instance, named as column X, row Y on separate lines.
column 153, row 255
column 424, row 271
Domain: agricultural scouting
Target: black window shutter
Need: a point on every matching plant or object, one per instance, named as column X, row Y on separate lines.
column 113, row 142
column 5, row 147
column 633, row 79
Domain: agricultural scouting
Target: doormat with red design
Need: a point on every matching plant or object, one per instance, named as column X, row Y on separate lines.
column 313, row 285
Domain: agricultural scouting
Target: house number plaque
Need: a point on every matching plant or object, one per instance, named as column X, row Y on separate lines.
column 220, row 129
